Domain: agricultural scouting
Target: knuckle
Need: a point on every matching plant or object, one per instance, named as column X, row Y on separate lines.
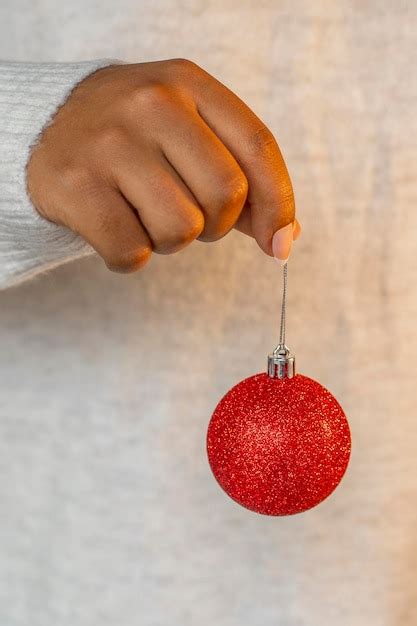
column 236, row 192
column 227, row 206
column 182, row 237
column 126, row 262
column 75, row 177
column 194, row 229
column 184, row 65
column 109, row 139
column 231, row 194
column 262, row 141
column 152, row 96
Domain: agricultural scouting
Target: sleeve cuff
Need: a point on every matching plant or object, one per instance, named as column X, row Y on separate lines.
column 30, row 94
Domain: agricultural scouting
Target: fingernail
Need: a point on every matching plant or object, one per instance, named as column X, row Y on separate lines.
column 282, row 242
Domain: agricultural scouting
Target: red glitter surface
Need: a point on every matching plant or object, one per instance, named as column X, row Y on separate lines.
column 278, row 447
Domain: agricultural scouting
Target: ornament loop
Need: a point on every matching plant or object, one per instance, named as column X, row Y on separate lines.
column 281, row 350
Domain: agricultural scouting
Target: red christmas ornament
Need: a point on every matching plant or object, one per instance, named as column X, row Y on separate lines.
column 278, row 443
column 278, row 446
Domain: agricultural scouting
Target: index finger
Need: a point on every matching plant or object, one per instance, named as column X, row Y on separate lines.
column 270, row 195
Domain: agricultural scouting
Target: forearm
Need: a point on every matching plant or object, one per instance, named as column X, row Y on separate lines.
column 30, row 94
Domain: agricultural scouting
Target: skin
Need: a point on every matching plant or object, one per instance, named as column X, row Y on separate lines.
column 148, row 157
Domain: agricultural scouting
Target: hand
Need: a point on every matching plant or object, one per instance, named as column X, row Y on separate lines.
column 147, row 157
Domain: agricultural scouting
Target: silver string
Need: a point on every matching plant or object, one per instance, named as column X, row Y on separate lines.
column 283, row 306
column 281, row 347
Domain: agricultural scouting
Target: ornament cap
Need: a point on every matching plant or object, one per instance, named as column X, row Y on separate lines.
column 281, row 363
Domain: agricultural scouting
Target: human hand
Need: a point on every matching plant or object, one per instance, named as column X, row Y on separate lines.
column 147, row 157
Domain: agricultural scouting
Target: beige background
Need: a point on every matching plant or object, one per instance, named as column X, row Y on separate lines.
column 109, row 514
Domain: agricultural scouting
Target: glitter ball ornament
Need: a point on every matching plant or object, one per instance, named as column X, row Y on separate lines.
column 278, row 443
column 278, row 446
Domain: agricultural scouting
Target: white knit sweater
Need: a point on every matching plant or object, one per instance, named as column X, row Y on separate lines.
column 30, row 94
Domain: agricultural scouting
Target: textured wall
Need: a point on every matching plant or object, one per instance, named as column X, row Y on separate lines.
column 108, row 512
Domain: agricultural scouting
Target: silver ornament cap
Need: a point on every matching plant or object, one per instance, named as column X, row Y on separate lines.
column 281, row 363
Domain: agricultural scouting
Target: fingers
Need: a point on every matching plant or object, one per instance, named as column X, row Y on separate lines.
column 166, row 207
column 106, row 221
column 208, row 169
column 270, row 194
column 199, row 163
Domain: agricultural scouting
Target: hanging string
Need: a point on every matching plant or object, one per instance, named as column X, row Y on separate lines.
column 281, row 347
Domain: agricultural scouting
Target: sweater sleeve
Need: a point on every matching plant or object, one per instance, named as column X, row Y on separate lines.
column 30, row 94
